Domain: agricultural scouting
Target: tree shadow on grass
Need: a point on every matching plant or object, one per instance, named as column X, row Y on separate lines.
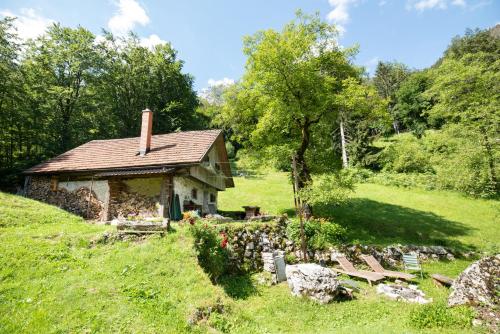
column 372, row 222
column 238, row 286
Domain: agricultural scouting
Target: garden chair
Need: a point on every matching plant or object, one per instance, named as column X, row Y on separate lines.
column 348, row 269
column 377, row 267
column 410, row 262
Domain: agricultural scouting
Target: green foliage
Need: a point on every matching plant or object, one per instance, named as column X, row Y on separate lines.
column 287, row 98
column 319, row 232
column 64, row 88
column 473, row 42
column 363, row 115
column 426, row 181
column 231, row 153
column 460, row 163
column 211, row 246
column 447, row 159
column 388, row 78
column 406, row 155
column 438, row 315
column 329, row 189
column 411, row 104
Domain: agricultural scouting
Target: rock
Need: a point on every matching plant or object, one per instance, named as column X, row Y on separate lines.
column 477, row 284
column 399, row 292
column 313, row 281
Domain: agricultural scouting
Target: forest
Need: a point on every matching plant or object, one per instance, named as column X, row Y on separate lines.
column 301, row 98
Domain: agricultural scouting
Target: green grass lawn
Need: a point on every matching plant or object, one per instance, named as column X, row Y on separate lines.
column 53, row 281
column 384, row 215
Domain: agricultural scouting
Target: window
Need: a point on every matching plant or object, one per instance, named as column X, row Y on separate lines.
column 213, row 198
column 194, row 193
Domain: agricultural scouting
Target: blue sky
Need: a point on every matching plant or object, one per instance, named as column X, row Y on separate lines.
column 208, row 34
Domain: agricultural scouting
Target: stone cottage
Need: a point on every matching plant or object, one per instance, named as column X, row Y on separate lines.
column 147, row 176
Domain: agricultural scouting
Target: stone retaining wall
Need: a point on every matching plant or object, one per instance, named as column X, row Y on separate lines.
column 248, row 241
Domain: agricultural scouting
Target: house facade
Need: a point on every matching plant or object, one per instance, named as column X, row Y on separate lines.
column 151, row 176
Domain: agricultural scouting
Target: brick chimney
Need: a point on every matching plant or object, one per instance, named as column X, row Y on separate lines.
column 146, row 131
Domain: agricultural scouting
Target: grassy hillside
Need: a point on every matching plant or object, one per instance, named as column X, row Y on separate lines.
column 384, row 215
column 52, row 280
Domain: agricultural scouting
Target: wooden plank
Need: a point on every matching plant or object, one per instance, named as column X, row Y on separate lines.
column 441, row 280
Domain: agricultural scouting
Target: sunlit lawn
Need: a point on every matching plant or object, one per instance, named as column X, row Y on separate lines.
column 380, row 214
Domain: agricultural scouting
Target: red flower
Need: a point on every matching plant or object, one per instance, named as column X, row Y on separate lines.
column 223, row 243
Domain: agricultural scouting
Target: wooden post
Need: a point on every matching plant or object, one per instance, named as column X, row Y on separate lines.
column 299, row 204
column 90, row 195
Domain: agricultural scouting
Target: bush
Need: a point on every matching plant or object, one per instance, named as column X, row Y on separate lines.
column 319, row 232
column 406, row 155
column 438, row 315
column 328, row 189
column 427, row 181
column 454, row 158
column 461, row 163
column 211, row 248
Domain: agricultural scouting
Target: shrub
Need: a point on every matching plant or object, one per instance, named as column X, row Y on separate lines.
column 211, row 248
column 427, row 181
column 406, row 155
column 461, row 163
column 331, row 188
column 319, row 232
column 438, row 315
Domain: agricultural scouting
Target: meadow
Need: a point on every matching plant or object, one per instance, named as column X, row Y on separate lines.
column 54, row 279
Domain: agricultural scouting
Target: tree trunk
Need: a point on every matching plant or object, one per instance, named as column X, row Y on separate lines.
column 303, row 174
column 345, row 159
column 299, row 209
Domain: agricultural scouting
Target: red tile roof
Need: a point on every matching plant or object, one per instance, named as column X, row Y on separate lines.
column 169, row 149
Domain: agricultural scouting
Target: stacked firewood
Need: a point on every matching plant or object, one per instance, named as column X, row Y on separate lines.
column 130, row 204
column 79, row 202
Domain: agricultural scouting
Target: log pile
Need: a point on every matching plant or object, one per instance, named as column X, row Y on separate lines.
column 130, row 204
column 81, row 202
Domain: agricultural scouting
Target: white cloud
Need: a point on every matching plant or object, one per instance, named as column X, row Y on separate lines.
column 422, row 5
column 460, row 3
column 128, row 15
column 221, row 82
column 340, row 13
column 28, row 23
column 382, row 3
column 151, row 41
column 429, row 4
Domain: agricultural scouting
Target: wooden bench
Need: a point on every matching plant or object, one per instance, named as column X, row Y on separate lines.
column 441, row 280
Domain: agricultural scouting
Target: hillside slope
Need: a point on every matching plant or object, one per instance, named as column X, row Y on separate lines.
column 52, row 280
column 384, row 215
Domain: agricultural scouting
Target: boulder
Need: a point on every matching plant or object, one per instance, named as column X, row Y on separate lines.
column 477, row 284
column 313, row 281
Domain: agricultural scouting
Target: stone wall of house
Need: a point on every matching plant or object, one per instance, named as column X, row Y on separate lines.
column 183, row 187
column 72, row 196
column 248, row 241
